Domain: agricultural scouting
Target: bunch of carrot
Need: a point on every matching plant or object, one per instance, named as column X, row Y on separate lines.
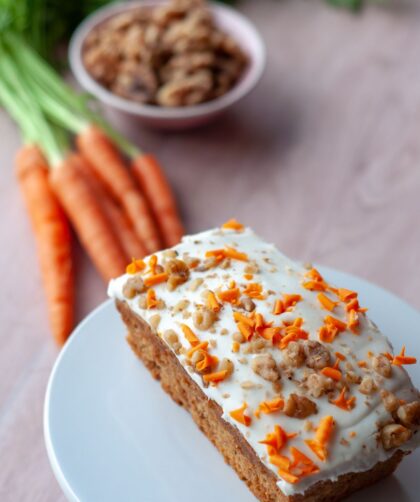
column 115, row 197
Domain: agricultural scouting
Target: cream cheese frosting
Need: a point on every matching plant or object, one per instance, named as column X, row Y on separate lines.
column 355, row 444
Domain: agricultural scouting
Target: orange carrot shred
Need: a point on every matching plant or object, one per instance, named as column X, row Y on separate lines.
column 362, row 364
column 268, row 407
column 254, row 290
column 340, row 325
column 216, row 377
column 195, row 348
column 135, row 266
column 280, row 461
column 248, row 277
column 152, row 280
column 279, row 307
column 240, row 417
column 212, row 302
column 189, row 335
column 333, row 373
column 290, row 300
column 229, row 295
column 151, row 300
column 235, row 347
column 327, row 333
column 227, row 252
column 208, row 361
column 346, row 295
column 403, row 359
column 322, row 437
column 326, row 302
column 340, row 356
column 233, row 224
column 342, row 402
column 287, row 476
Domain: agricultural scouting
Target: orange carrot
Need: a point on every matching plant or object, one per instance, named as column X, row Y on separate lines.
column 155, row 186
column 90, row 223
column 52, row 235
column 119, row 222
column 111, row 169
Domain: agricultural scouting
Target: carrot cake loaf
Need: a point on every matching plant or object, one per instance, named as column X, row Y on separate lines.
column 283, row 371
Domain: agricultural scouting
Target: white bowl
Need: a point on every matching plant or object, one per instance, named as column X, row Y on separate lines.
column 229, row 20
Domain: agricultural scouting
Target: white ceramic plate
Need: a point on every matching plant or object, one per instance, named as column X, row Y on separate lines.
column 113, row 435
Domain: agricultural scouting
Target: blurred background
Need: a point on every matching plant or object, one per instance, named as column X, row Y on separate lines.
column 321, row 157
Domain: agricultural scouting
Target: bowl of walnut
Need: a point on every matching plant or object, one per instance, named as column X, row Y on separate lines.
column 168, row 64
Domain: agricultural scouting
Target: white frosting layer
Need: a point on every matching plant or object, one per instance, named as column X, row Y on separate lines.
column 354, row 445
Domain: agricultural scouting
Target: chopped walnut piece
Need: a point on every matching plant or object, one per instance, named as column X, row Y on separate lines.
column 204, row 318
column 195, row 284
column 238, row 337
column 317, row 356
column 226, row 364
column 134, row 286
column 299, row 406
column 265, row 366
column 246, row 303
column 181, row 305
column 389, row 400
column 154, row 321
column 178, row 273
column 382, row 365
column 394, row 435
column 172, row 339
column 353, row 377
column 367, row 386
column 318, row 384
column 409, row 414
column 255, row 346
column 294, row 355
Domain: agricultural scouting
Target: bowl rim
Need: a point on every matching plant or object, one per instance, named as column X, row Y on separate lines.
column 240, row 90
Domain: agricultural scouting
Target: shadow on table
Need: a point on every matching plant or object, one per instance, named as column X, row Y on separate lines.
column 388, row 490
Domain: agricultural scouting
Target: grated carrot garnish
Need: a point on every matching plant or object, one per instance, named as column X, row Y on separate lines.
column 322, row 436
column 212, row 302
column 346, row 295
column 403, row 359
column 233, row 224
column 342, row 402
column 280, row 461
column 314, row 286
column 216, row 377
column 189, row 335
column 340, row 325
column 333, row 373
column 240, row 417
column 327, row 333
column 290, row 300
column 195, row 348
column 153, row 261
column 314, row 275
column 254, row 290
column 362, row 364
column 152, row 280
column 340, row 356
column 235, row 347
column 238, row 317
column 276, row 440
column 302, row 463
column 268, row 407
column 287, row 476
column 229, row 295
column 151, row 300
column 248, row 277
column 278, row 308
column 326, row 302
column 227, row 252
column 389, row 356
column 246, row 330
column 135, row 266
column 208, row 361
column 353, row 321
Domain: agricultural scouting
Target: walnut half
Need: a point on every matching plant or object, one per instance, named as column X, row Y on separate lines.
column 299, row 406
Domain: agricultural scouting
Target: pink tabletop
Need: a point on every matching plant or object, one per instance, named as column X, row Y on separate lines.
column 322, row 159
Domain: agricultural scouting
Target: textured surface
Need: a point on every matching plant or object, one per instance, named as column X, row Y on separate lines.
column 323, row 159
column 164, row 366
